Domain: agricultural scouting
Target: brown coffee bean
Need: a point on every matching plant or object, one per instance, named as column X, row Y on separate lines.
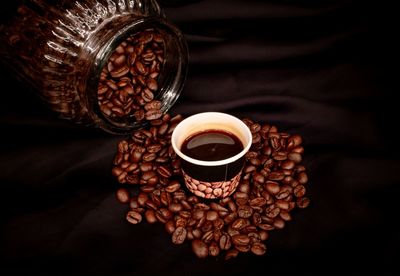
column 239, row 223
column 213, row 249
column 240, row 239
column 272, row 187
column 245, row 211
column 200, row 248
column 282, row 204
column 258, row 248
column 279, row 223
column 175, row 207
column 153, row 114
column 211, row 215
column 179, row 235
column 303, row 202
column 225, row 242
column 231, row 254
column 173, row 187
column 217, row 207
column 302, row 178
column 276, row 175
column 142, row 198
column 295, row 157
column 299, row 191
column 122, row 195
column 288, row 165
column 272, row 211
column 170, row 226
column 133, row 217
column 150, row 216
column 258, row 202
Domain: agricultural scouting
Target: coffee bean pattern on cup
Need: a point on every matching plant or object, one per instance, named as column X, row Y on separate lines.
column 129, row 81
column 273, row 183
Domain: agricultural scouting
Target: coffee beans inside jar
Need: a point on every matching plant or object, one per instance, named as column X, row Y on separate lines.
column 273, row 184
column 129, row 82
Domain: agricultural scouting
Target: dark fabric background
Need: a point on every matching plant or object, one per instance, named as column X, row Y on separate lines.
column 323, row 69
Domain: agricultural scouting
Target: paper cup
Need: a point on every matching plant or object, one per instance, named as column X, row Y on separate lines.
column 211, row 179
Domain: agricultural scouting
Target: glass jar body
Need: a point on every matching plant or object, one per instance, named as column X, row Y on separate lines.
column 63, row 48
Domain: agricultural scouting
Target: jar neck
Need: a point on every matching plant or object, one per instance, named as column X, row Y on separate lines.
column 102, row 46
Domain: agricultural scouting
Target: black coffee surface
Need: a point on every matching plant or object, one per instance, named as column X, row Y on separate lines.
column 212, row 145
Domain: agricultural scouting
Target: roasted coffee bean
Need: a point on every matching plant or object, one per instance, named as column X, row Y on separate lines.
column 245, row 211
column 208, row 236
column 302, row 178
column 239, row 223
column 231, row 254
column 142, row 198
column 295, row 157
column 299, row 191
column 200, row 248
column 179, row 235
column 216, row 207
column 225, row 242
column 243, row 248
column 285, row 215
column 282, row 204
column 211, row 215
column 303, row 202
column 122, row 195
column 133, row 217
column 175, row 207
column 272, row 187
column 279, row 223
column 173, row 187
column 213, row 249
column 240, row 239
column 263, row 235
column 150, row 216
column 272, row 211
column 170, row 226
column 266, row 226
column 258, row 248
column 258, row 202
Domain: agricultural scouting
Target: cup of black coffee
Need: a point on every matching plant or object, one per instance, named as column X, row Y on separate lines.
column 212, row 148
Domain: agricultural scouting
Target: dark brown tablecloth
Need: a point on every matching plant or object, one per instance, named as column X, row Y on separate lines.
column 323, row 69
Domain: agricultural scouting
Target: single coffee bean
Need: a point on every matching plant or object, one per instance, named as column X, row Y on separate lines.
column 272, row 187
column 240, row 239
column 258, row 248
column 231, row 254
column 122, row 195
column 179, row 235
column 295, row 157
column 133, row 217
column 299, row 191
column 225, row 242
column 213, row 249
column 150, row 216
column 245, row 211
column 170, row 226
column 212, row 215
column 200, row 248
column 303, row 202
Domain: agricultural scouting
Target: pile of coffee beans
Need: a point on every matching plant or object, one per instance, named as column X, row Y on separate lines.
column 129, row 81
column 273, row 183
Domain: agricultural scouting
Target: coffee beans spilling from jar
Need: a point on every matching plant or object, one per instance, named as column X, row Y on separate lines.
column 272, row 185
column 128, row 84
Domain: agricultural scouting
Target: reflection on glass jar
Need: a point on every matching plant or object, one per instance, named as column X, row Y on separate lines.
column 113, row 64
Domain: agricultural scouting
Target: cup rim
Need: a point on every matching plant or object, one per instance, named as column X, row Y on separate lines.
column 226, row 161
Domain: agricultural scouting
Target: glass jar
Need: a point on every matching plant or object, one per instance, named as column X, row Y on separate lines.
column 68, row 51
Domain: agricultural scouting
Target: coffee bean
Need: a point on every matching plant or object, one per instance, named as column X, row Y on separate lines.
column 213, row 249
column 122, row 195
column 299, row 191
column 150, row 216
column 295, row 157
column 303, row 202
column 173, row 187
column 258, row 248
column 211, row 215
column 170, row 226
column 133, row 217
column 302, row 178
column 245, row 211
column 200, row 248
column 240, row 239
column 179, row 235
column 231, row 254
column 272, row 187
